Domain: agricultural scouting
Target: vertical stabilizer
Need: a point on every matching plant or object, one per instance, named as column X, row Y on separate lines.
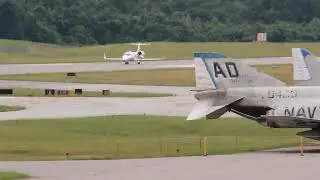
column 203, row 77
column 306, row 68
column 216, row 71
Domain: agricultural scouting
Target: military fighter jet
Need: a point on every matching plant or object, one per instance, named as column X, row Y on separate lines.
column 227, row 85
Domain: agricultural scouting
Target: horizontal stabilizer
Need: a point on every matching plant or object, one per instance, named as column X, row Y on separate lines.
column 202, row 109
column 213, row 109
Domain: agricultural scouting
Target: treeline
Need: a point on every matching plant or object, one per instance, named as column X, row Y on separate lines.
column 113, row 21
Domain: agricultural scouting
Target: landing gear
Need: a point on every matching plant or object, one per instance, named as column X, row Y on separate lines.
column 138, row 62
column 126, row 62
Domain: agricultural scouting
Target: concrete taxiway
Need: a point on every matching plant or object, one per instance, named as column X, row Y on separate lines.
column 249, row 166
column 110, row 66
column 52, row 107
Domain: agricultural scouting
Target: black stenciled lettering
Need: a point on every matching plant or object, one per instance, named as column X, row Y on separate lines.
column 218, row 70
column 270, row 94
column 232, row 65
column 294, row 94
column 311, row 111
column 287, row 111
column 301, row 112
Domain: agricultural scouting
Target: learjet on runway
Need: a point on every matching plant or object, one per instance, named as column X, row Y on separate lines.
column 225, row 85
column 131, row 56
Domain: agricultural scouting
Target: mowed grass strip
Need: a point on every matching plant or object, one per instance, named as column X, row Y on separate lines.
column 12, row 175
column 283, row 72
column 47, row 53
column 4, row 108
column 113, row 137
column 156, row 77
column 23, row 92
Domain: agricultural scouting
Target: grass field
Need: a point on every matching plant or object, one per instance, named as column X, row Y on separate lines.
column 166, row 77
column 11, row 108
column 28, row 52
column 134, row 137
column 282, row 72
column 156, row 77
column 11, row 175
column 41, row 93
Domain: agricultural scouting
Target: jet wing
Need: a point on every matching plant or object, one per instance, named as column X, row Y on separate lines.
column 207, row 108
column 112, row 59
column 106, row 58
column 152, row 59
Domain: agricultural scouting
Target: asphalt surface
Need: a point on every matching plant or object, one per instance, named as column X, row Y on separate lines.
column 250, row 166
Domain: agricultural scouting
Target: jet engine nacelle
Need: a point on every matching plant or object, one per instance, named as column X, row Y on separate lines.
column 311, row 134
column 287, row 122
column 141, row 53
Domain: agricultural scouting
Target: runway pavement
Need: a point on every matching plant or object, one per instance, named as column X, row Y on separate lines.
column 51, row 107
column 249, row 166
column 110, row 66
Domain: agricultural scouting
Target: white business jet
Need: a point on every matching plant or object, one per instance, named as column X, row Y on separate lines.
column 137, row 55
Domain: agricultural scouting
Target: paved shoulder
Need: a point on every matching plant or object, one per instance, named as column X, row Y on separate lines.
column 247, row 166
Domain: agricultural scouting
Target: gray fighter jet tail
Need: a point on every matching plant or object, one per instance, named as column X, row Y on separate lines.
column 216, row 71
column 306, row 68
column 215, row 74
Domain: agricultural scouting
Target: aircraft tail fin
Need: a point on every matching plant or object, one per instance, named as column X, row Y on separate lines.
column 139, row 45
column 216, row 71
column 305, row 67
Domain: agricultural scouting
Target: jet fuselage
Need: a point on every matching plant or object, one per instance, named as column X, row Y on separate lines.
column 273, row 106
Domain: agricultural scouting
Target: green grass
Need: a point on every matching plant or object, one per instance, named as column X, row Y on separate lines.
column 165, row 77
column 11, row 175
column 282, row 72
column 41, row 93
column 156, row 77
column 28, row 52
column 115, row 137
column 11, row 108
